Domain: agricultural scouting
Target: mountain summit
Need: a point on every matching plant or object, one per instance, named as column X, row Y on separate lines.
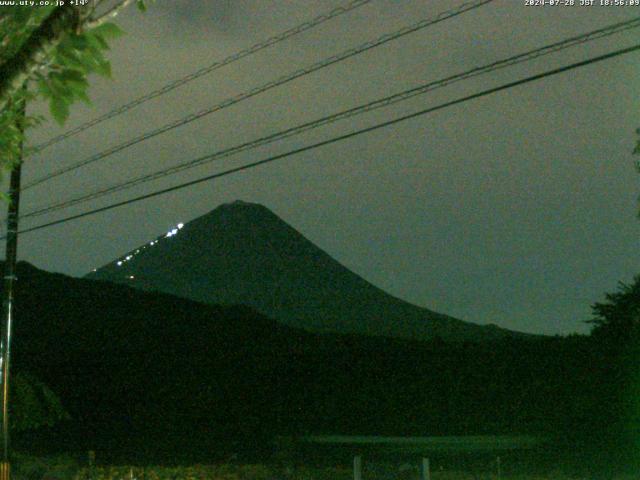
column 242, row 253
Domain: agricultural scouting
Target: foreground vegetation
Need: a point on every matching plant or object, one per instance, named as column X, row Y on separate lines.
column 217, row 392
column 68, row 468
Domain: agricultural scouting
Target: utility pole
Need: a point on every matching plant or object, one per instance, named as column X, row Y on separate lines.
column 11, row 255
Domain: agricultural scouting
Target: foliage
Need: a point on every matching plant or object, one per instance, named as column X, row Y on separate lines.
column 616, row 339
column 12, row 127
column 65, row 59
column 57, row 467
column 16, row 25
column 262, row 472
column 196, row 472
column 143, row 390
column 63, row 79
column 33, row 404
column 76, row 57
column 618, row 318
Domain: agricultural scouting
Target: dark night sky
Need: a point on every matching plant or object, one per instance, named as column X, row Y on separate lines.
column 517, row 209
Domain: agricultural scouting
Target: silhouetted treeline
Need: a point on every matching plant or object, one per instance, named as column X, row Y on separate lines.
column 614, row 391
column 150, row 377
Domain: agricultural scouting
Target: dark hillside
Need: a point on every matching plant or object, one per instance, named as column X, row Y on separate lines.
column 242, row 253
column 150, row 376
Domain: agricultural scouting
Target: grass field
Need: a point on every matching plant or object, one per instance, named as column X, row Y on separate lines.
column 263, row 472
column 67, row 468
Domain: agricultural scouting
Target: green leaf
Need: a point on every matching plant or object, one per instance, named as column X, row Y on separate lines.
column 78, row 41
column 70, row 75
column 21, row 15
column 108, row 30
column 141, row 5
column 59, row 109
column 92, row 58
column 87, row 60
column 44, row 88
column 97, row 41
column 59, row 87
column 32, row 121
column 103, row 68
column 70, row 58
column 82, row 95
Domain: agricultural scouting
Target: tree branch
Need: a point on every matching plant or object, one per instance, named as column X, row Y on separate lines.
column 112, row 12
column 35, row 50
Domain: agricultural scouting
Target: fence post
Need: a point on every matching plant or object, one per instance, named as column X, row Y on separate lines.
column 425, row 472
column 357, row 467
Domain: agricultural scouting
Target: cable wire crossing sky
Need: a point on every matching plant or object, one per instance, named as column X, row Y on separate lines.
column 512, row 202
column 379, row 103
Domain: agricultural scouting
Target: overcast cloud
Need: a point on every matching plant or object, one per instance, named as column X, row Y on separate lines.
column 517, row 209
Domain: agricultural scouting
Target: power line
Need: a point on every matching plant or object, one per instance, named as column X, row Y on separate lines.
column 465, row 7
column 339, row 138
column 370, row 106
column 204, row 71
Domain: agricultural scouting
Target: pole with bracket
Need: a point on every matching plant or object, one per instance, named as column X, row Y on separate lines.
column 11, row 255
